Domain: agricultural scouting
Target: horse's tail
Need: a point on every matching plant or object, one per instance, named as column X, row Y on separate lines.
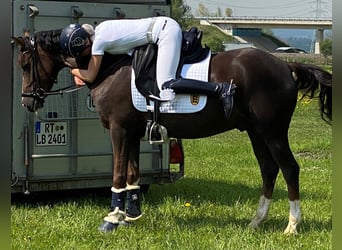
column 311, row 79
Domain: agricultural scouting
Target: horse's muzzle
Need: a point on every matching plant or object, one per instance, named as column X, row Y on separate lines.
column 32, row 102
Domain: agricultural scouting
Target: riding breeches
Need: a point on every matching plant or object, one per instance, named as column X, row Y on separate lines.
column 167, row 34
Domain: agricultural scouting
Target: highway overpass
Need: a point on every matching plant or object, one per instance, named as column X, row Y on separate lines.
column 228, row 24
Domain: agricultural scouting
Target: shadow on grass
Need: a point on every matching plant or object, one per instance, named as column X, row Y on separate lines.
column 271, row 225
column 188, row 189
column 199, row 190
column 193, row 190
column 97, row 196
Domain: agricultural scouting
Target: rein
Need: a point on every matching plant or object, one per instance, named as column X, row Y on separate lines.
column 41, row 94
column 38, row 93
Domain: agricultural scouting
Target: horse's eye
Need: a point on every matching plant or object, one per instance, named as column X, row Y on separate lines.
column 24, row 60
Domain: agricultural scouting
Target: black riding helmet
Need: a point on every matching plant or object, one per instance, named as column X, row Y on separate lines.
column 73, row 40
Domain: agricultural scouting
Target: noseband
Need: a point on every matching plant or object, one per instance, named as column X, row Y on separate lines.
column 38, row 93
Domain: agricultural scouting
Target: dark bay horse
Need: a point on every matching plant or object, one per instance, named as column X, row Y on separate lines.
column 265, row 99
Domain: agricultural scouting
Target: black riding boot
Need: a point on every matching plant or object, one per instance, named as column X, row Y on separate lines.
column 133, row 211
column 224, row 91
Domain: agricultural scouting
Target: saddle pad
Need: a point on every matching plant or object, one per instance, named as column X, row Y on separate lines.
column 183, row 103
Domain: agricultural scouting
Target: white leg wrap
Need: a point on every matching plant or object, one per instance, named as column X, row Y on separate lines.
column 262, row 212
column 134, row 186
column 294, row 218
column 117, row 190
column 116, row 216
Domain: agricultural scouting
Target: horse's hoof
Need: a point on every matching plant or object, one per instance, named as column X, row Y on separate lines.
column 125, row 223
column 108, row 227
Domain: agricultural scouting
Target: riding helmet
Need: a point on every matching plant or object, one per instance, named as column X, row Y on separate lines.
column 73, row 40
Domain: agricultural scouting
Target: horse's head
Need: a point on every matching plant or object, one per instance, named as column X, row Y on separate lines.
column 40, row 58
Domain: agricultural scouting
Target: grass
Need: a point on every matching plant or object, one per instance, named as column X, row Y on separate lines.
column 209, row 208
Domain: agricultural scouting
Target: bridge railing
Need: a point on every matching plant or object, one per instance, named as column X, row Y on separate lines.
column 258, row 18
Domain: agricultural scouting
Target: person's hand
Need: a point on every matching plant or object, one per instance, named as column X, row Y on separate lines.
column 78, row 81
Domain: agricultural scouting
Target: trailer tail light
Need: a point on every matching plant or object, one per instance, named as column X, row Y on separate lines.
column 176, row 151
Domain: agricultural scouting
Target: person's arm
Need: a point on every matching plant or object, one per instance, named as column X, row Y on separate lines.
column 89, row 75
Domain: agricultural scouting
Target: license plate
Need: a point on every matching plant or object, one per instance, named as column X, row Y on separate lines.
column 51, row 133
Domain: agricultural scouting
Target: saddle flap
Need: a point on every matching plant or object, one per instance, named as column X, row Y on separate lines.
column 144, row 65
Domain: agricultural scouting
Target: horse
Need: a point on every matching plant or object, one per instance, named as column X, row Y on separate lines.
column 264, row 102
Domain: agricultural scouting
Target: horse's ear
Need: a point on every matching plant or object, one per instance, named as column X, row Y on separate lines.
column 18, row 41
column 26, row 33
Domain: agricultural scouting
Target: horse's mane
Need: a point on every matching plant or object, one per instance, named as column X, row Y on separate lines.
column 49, row 40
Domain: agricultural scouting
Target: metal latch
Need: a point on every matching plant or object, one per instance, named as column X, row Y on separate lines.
column 119, row 13
column 158, row 12
column 33, row 10
column 76, row 13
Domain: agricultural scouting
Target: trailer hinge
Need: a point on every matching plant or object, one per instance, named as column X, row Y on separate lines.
column 76, row 13
column 32, row 12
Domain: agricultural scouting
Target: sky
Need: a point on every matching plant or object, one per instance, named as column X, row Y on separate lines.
column 268, row 8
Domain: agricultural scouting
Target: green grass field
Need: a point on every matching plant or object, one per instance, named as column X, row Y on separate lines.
column 209, row 208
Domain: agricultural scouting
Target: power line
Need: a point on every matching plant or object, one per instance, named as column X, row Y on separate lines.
column 304, row 8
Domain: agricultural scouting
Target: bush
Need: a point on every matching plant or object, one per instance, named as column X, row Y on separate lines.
column 214, row 38
column 326, row 47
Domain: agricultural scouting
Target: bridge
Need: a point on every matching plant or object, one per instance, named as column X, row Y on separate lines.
column 228, row 24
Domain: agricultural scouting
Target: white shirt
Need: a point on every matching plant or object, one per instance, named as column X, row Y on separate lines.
column 120, row 36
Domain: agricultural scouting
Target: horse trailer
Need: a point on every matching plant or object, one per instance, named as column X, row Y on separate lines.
column 64, row 146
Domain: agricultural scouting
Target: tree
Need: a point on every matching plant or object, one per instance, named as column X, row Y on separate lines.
column 181, row 13
column 202, row 10
column 326, row 47
column 212, row 37
column 215, row 44
column 229, row 12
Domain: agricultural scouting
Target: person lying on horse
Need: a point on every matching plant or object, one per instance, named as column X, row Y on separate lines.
column 268, row 93
column 123, row 36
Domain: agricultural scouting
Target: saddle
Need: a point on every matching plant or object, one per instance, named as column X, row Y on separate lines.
column 144, row 61
column 144, row 66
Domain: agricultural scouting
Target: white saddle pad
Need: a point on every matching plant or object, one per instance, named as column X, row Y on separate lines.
column 183, row 103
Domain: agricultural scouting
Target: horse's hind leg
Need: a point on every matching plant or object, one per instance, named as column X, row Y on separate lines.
column 282, row 155
column 269, row 171
column 290, row 170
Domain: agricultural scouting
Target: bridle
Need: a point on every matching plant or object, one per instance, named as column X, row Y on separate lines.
column 38, row 93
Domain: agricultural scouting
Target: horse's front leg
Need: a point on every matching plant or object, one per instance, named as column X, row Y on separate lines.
column 133, row 210
column 125, row 187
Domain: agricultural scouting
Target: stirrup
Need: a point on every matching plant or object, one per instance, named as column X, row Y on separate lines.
column 157, row 133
